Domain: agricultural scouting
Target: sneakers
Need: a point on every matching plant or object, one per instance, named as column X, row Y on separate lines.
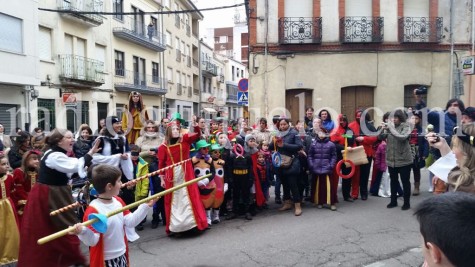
column 333, row 207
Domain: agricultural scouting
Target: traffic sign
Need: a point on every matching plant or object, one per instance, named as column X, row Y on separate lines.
column 243, row 98
column 243, row 85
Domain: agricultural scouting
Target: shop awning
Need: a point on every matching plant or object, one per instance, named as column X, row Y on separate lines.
column 210, row 110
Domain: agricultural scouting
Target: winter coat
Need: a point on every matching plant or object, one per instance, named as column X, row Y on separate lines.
column 81, row 147
column 322, row 156
column 146, row 142
column 142, row 186
column 380, row 157
column 291, row 147
column 398, row 149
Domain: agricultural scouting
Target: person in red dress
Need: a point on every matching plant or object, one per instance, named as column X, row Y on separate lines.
column 25, row 177
column 183, row 208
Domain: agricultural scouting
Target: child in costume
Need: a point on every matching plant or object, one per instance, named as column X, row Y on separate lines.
column 110, row 247
column 225, row 152
column 258, row 198
column 187, row 211
column 9, row 234
column 25, row 177
column 321, row 161
column 262, row 167
column 202, row 165
column 132, row 119
column 219, row 180
column 140, row 169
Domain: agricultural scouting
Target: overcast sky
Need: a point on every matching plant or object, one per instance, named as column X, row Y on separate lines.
column 218, row 18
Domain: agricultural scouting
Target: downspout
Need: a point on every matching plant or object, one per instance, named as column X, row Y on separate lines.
column 27, row 89
column 451, row 79
column 266, row 89
column 200, row 79
column 164, row 74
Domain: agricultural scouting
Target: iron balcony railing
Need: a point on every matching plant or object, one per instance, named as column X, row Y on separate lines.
column 177, row 21
column 300, row 30
column 195, row 62
column 188, row 30
column 188, row 61
column 210, row 68
column 178, row 89
column 128, row 81
column 84, row 6
column 190, row 91
column 81, row 69
column 196, row 91
column 178, row 55
column 232, row 98
column 420, row 29
column 361, row 29
column 134, row 30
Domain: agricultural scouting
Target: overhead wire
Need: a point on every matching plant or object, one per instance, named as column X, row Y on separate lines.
column 133, row 13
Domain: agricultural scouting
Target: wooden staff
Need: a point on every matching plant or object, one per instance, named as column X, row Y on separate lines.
column 154, row 173
column 65, row 208
column 64, row 232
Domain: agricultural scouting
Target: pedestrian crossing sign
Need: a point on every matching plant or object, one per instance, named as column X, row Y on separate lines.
column 243, row 98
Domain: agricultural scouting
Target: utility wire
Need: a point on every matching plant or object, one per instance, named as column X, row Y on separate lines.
column 133, row 13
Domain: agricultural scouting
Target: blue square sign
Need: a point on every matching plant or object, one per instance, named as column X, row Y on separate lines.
column 243, row 98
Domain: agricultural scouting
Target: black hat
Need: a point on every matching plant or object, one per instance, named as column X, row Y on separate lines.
column 469, row 111
column 113, row 119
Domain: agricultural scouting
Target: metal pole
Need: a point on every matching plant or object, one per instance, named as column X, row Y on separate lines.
column 266, row 95
column 451, row 80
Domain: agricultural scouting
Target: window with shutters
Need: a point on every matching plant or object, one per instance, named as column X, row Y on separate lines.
column 118, row 7
column 101, row 54
column 44, row 44
column 169, row 74
column 155, row 72
column 168, row 37
column 46, row 114
column 11, row 34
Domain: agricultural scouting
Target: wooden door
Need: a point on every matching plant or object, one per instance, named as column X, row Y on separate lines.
column 296, row 101
column 354, row 97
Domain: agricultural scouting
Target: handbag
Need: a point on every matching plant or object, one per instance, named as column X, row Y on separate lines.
column 356, row 155
column 286, row 161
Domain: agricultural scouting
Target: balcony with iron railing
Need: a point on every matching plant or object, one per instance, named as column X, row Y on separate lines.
column 190, row 91
column 300, row 30
column 128, row 81
column 178, row 55
column 80, row 71
column 75, row 6
column 209, row 69
column 361, row 29
column 420, row 29
column 179, row 89
column 195, row 63
column 177, row 21
column 134, row 31
column 231, row 98
column 196, row 91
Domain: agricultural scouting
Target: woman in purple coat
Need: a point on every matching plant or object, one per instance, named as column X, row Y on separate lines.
column 321, row 161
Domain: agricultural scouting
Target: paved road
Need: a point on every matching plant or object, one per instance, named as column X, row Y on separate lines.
column 363, row 233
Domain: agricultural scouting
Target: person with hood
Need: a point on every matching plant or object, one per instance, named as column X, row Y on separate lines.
column 133, row 117
column 338, row 137
column 327, row 121
column 321, row 161
column 398, row 156
column 288, row 143
column 365, row 135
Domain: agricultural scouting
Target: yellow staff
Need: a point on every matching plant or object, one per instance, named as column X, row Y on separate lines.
column 64, row 232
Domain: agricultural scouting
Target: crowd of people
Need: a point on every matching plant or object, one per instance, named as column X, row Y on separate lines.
column 129, row 158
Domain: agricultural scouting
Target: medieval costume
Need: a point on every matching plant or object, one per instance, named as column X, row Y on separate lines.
column 132, row 119
column 9, row 235
column 183, row 208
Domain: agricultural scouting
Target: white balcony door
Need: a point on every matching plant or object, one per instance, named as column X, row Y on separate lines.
column 304, row 8
column 416, row 8
column 68, row 67
column 359, row 8
column 81, row 60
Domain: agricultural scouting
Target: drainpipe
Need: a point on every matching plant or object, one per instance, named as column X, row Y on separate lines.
column 451, row 79
column 200, row 79
column 27, row 89
column 266, row 89
column 164, row 78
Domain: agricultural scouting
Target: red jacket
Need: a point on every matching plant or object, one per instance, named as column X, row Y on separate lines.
column 368, row 141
